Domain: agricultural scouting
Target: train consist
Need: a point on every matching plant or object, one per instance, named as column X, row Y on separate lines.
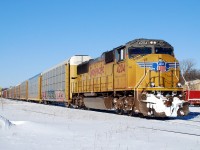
column 140, row 77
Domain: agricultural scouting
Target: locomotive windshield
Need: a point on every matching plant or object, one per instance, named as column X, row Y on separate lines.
column 161, row 50
column 134, row 51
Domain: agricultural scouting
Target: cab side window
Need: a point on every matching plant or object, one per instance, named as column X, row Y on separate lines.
column 120, row 55
column 109, row 57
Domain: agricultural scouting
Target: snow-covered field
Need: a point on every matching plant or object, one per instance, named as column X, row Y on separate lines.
column 32, row 126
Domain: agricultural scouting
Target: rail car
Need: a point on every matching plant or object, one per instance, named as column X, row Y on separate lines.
column 34, row 88
column 56, row 81
column 17, row 92
column 4, row 93
column 139, row 77
column 12, row 93
column 24, row 90
column 193, row 97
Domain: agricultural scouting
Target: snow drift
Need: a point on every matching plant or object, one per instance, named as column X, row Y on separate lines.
column 5, row 123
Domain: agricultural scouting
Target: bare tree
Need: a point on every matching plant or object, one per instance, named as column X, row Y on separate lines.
column 188, row 71
column 186, row 65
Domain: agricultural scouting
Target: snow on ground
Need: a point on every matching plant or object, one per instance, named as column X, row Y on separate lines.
column 36, row 126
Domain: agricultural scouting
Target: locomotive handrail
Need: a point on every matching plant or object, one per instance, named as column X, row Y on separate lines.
column 140, row 81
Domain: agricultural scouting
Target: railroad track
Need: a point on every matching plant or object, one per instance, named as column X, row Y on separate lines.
column 185, row 122
column 51, row 114
column 193, row 121
column 170, row 131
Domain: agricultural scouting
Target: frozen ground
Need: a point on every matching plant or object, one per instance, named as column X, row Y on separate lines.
column 31, row 126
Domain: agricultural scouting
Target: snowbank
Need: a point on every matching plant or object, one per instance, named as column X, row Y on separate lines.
column 5, row 123
column 40, row 126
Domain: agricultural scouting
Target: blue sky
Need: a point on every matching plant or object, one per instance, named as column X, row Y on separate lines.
column 37, row 34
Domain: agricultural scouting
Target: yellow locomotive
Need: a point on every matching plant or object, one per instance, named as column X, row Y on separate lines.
column 140, row 77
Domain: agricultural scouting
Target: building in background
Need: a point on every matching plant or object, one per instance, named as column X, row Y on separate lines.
column 192, row 85
column 192, row 89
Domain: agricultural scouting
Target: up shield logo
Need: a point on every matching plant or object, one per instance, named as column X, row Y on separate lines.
column 161, row 65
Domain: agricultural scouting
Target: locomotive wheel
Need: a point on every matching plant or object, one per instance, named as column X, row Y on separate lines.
column 130, row 113
column 67, row 105
column 76, row 103
column 84, row 108
column 45, row 102
column 120, row 111
column 141, row 115
column 81, row 103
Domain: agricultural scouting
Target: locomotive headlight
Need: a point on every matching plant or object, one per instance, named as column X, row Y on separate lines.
column 152, row 84
column 152, row 42
column 179, row 85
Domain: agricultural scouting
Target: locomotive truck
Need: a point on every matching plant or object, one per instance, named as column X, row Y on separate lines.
column 193, row 97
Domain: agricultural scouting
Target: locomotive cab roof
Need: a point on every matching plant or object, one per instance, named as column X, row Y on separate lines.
column 148, row 42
